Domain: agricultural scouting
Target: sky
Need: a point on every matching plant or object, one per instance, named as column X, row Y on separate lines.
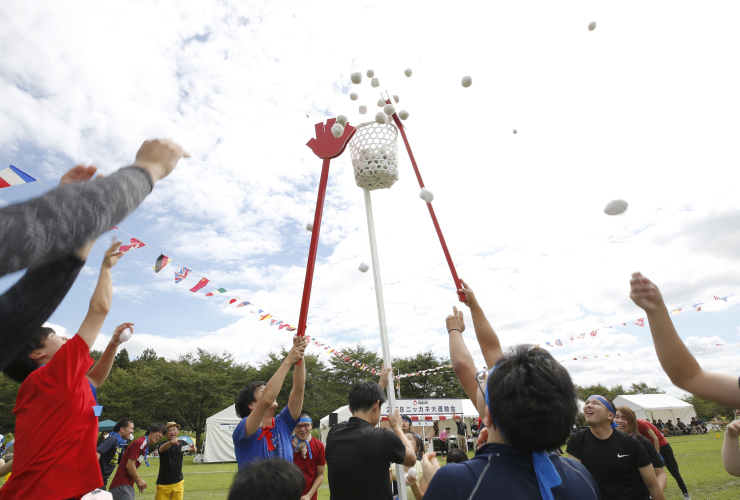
column 642, row 109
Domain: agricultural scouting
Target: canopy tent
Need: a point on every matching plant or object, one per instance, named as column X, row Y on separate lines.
column 218, row 444
column 106, row 425
column 657, row 406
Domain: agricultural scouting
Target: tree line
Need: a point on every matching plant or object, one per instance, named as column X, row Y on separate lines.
column 194, row 386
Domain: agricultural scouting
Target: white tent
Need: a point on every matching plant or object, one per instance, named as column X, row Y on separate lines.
column 343, row 416
column 657, row 406
column 219, row 445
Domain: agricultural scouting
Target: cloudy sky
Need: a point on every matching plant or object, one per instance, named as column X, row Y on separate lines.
column 643, row 108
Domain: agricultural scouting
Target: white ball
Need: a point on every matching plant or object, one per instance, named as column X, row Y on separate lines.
column 396, row 98
column 363, row 110
column 370, row 73
column 125, row 335
column 515, row 131
column 363, row 267
column 426, row 195
column 389, row 109
column 381, row 103
column 407, row 72
column 337, row 129
column 413, row 472
column 342, row 119
column 309, row 226
column 374, row 82
column 615, row 207
column 357, row 77
column 467, row 81
column 381, row 118
column 592, row 26
column 403, row 114
column 353, row 96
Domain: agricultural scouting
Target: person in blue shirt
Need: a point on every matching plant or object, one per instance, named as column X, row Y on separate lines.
column 259, row 436
column 528, row 405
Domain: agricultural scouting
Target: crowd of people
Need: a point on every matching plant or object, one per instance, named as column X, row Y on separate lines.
column 526, row 401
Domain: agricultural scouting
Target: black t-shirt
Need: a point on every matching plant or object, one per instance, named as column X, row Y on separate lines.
column 170, row 464
column 461, row 427
column 652, row 453
column 613, row 462
column 357, row 459
column 681, row 425
column 110, row 451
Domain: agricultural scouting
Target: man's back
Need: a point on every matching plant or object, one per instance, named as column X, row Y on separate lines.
column 508, row 473
column 357, row 458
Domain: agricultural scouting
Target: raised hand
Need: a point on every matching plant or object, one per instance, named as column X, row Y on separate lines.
column 79, row 173
column 384, row 375
column 325, row 145
column 159, row 157
column 112, row 255
column 645, row 294
column 297, row 351
column 116, row 338
column 455, row 321
column 469, row 295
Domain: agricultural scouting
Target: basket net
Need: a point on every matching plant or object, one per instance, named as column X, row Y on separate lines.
column 374, row 152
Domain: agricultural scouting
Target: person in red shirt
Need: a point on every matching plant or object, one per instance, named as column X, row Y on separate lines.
column 56, row 407
column 645, row 428
column 309, row 456
column 122, row 487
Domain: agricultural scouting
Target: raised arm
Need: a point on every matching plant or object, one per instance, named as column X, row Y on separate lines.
column 100, row 371
column 676, row 360
column 295, row 400
column 397, row 426
column 272, row 389
column 462, row 362
column 102, row 297
column 731, row 449
column 484, row 332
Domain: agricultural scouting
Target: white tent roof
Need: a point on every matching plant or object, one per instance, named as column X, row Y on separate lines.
column 219, row 445
column 657, row 406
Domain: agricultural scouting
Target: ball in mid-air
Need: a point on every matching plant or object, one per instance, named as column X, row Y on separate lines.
column 356, row 77
column 337, row 129
column 363, row 110
column 389, row 109
column 615, row 207
column 353, row 96
column 370, row 73
column 342, row 119
column 403, row 114
column 396, row 98
column 381, row 118
column 309, row 226
column 407, row 72
column 592, row 26
column 363, row 267
column 466, row 81
column 375, row 82
column 426, row 195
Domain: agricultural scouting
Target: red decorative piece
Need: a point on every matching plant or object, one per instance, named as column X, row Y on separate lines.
column 325, row 146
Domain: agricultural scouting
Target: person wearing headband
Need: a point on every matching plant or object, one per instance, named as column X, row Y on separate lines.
column 309, row 456
column 528, row 407
column 616, row 460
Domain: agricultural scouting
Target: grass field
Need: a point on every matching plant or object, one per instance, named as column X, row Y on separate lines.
column 699, row 458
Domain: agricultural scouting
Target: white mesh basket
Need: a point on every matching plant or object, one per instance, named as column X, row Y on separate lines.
column 375, row 155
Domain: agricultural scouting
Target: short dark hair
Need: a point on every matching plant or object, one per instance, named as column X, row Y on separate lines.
column 21, row 366
column 364, row 394
column 532, row 398
column 122, row 423
column 407, row 419
column 246, row 398
column 274, row 479
column 456, row 456
column 305, row 413
column 155, row 427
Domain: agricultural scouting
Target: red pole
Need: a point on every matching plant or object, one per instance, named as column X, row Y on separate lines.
column 458, row 285
column 313, row 249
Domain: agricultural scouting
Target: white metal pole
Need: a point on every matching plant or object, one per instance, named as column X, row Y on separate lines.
column 400, row 474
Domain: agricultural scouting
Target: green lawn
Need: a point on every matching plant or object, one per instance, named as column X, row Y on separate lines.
column 699, row 458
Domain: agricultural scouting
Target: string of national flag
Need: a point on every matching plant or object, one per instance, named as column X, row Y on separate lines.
column 13, row 176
